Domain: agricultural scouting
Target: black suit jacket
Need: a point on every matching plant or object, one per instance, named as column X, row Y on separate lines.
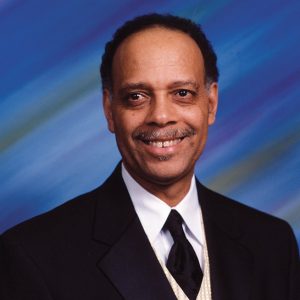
column 94, row 247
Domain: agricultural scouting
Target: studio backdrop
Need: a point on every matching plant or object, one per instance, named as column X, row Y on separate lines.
column 54, row 144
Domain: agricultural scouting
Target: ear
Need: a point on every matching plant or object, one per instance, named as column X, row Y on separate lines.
column 107, row 106
column 212, row 102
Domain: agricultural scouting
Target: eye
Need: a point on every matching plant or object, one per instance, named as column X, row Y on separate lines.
column 134, row 96
column 135, row 99
column 183, row 93
column 184, row 96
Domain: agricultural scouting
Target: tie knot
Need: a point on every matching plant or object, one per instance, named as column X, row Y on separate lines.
column 174, row 225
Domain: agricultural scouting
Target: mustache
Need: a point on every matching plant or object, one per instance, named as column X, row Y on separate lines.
column 151, row 134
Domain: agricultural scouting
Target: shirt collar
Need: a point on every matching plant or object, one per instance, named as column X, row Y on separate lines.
column 153, row 212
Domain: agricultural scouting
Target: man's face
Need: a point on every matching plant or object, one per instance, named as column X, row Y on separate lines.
column 159, row 107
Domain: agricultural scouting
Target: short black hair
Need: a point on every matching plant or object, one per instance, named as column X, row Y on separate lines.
column 168, row 21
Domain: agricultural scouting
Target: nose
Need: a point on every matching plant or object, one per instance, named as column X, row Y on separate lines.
column 161, row 111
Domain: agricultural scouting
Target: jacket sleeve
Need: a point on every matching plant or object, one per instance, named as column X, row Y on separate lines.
column 294, row 268
column 20, row 277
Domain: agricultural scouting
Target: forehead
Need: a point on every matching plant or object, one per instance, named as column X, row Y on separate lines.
column 158, row 52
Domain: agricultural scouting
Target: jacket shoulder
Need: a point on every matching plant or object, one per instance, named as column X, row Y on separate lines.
column 74, row 215
column 246, row 218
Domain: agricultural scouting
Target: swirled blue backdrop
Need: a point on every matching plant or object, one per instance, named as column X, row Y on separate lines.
column 54, row 143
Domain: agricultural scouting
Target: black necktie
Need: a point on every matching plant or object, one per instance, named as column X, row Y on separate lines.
column 182, row 262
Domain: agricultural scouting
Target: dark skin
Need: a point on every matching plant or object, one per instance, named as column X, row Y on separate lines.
column 159, row 109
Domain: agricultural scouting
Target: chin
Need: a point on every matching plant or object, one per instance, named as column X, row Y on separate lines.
column 166, row 173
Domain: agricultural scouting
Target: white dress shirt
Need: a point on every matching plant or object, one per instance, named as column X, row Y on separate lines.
column 153, row 214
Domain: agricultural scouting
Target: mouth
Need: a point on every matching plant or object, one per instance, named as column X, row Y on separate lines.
column 163, row 144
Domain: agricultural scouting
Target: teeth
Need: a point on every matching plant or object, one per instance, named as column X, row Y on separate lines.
column 165, row 143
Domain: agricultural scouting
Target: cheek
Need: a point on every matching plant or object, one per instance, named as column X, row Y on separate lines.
column 196, row 118
column 125, row 124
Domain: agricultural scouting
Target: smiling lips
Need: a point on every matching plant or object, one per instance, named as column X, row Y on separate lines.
column 164, row 144
column 161, row 139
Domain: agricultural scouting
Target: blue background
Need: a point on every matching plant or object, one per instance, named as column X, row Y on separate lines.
column 54, row 143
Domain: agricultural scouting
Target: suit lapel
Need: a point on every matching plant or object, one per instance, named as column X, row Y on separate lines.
column 230, row 262
column 133, row 268
column 130, row 263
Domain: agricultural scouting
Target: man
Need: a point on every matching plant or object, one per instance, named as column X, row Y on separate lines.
column 152, row 231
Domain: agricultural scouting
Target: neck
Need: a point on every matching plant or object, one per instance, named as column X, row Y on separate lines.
column 171, row 192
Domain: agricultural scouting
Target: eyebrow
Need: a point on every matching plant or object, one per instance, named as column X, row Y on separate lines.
column 133, row 86
column 192, row 83
column 143, row 85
